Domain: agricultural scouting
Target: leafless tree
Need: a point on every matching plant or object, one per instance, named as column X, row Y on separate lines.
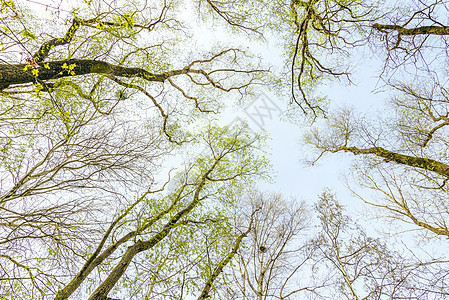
column 362, row 267
column 272, row 259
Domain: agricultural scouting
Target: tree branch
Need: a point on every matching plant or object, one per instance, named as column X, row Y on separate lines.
column 106, row 286
column 43, row 51
column 22, row 73
column 433, row 30
column 418, row 162
column 205, row 293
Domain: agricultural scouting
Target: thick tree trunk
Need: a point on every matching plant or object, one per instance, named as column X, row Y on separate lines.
column 106, row 286
column 219, row 269
column 12, row 74
column 435, row 30
column 419, row 162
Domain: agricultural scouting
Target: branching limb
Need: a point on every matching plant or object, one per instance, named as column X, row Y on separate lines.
column 96, row 258
column 429, row 30
column 412, row 161
column 20, row 74
column 219, row 269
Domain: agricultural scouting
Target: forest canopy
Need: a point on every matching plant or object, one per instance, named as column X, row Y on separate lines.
column 116, row 181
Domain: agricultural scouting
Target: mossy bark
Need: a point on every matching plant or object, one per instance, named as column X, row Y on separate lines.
column 434, row 30
column 412, row 161
column 22, row 73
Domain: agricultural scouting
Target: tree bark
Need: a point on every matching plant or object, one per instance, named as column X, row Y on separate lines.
column 106, row 286
column 98, row 258
column 435, row 30
column 12, row 74
column 205, row 293
column 413, row 161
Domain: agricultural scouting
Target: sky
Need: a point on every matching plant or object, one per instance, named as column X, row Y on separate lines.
column 270, row 114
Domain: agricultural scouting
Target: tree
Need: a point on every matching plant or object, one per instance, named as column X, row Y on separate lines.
column 363, row 267
column 222, row 167
column 188, row 211
column 275, row 253
column 322, row 37
column 405, row 150
column 408, row 181
column 94, row 99
column 109, row 45
column 318, row 38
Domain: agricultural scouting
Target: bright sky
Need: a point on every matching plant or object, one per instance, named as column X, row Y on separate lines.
column 270, row 114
